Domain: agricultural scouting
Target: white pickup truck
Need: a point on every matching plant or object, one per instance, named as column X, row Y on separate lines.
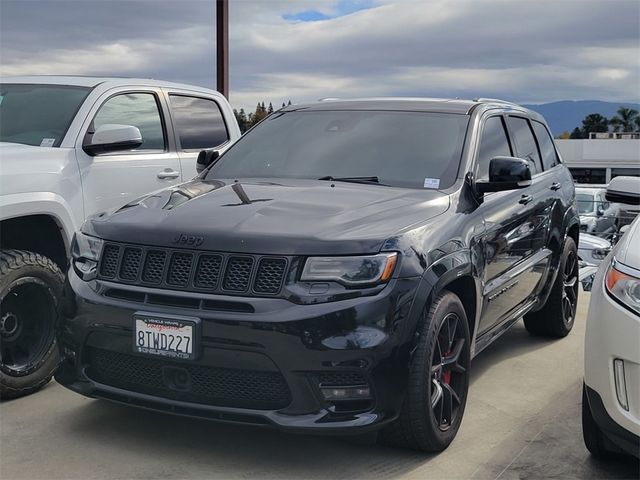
column 71, row 147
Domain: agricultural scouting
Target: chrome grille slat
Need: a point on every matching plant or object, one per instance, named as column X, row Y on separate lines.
column 194, row 271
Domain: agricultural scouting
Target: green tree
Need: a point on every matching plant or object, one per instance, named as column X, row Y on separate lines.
column 594, row 122
column 576, row 134
column 270, row 109
column 242, row 119
column 625, row 120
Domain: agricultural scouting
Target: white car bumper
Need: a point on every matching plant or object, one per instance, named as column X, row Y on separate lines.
column 613, row 339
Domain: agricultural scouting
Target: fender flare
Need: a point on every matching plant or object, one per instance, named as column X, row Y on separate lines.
column 40, row 203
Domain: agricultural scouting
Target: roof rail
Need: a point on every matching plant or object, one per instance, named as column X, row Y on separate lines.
column 493, row 100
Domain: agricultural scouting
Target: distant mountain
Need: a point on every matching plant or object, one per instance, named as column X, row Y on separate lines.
column 565, row 115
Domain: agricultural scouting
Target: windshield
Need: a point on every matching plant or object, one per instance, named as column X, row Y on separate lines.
column 38, row 114
column 403, row 149
column 585, row 203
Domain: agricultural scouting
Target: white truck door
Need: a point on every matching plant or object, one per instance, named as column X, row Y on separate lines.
column 113, row 179
column 199, row 122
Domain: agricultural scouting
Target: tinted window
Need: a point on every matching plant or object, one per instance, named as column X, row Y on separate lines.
column 586, row 202
column 137, row 109
column 525, row 143
column 405, row 149
column 545, row 142
column 627, row 172
column 199, row 122
column 38, row 114
column 494, row 143
column 589, row 175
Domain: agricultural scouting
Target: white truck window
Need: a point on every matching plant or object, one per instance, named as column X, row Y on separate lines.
column 139, row 110
column 199, row 122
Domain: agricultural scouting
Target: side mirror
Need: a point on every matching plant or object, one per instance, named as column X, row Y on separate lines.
column 624, row 190
column 600, row 211
column 206, row 158
column 112, row 137
column 506, row 173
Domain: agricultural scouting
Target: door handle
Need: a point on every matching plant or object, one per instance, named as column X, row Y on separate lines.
column 524, row 199
column 168, row 173
column 555, row 186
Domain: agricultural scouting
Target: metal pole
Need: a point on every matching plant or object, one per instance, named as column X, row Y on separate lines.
column 222, row 47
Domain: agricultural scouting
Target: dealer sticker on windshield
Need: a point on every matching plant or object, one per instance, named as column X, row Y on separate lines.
column 432, row 183
column 165, row 336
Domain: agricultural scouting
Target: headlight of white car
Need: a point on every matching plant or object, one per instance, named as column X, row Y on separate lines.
column 623, row 286
column 350, row 271
column 86, row 251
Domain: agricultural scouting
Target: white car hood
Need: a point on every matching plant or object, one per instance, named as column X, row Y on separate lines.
column 627, row 251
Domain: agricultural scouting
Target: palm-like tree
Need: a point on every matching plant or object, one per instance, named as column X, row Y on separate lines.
column 626, row 120
column 594, row 122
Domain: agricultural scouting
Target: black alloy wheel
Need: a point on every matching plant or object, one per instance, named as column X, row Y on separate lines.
column 558, row 314
column 570, row 289
column 438, row 380
column 448, row 374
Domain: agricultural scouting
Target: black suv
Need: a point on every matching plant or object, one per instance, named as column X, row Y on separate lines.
column 334, row 271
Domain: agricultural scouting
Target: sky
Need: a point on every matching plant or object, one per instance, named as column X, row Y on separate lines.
column 528, row 51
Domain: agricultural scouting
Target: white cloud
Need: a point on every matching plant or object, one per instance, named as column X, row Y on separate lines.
column 521, row 50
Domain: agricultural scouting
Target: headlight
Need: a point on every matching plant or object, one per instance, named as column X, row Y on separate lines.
column 86, row 251
column 600, row 253
column 350, row 271
column 623, row 287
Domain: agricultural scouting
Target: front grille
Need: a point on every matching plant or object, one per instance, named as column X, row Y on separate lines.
column 109, row 262
column 130, row 263
column 341, row 379
column 210, row 272
column 238, row 274
column 207, row 385
column 180, row 269
column 270, row 275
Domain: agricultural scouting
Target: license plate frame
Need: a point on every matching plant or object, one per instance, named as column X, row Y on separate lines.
column 165, row 326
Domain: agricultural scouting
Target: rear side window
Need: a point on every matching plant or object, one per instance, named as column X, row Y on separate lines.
column 545, row 142
column 137, row 109
column 199, row 122
column 494, row 143
column 525, row 142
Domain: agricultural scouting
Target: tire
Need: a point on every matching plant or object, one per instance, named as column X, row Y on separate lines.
column 30, row 289
column 595, row 441
column 557, row 316
column 425, row 423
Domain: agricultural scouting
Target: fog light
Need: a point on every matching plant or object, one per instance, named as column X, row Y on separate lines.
column 621, row 384
column 345, row 393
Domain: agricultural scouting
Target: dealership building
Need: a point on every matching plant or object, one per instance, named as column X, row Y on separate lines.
column 603, row 156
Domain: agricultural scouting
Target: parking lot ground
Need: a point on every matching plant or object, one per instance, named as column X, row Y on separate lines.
column 522, row 421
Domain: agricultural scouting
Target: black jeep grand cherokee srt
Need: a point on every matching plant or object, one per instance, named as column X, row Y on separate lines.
column 334, row 271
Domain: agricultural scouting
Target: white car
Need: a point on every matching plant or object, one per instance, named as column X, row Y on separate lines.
column 597, row 215
column 71, row 147
column 611, row 393
column 592, row 250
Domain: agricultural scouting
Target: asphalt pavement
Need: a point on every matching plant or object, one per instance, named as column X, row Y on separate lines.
column 522, row 422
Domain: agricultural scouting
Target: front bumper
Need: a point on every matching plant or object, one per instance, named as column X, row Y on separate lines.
column 612, row 335
column 260, row 368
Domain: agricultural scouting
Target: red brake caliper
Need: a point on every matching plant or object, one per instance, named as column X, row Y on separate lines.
column 446, row 375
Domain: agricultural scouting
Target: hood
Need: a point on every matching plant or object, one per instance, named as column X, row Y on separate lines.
column 26, row 168
column 627, row 247
column 289, row 217
column 590, row 242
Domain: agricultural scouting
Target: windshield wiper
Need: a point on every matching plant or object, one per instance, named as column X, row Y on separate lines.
column 373, row 179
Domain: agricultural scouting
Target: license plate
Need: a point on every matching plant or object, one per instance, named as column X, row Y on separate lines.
column 171, row 337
